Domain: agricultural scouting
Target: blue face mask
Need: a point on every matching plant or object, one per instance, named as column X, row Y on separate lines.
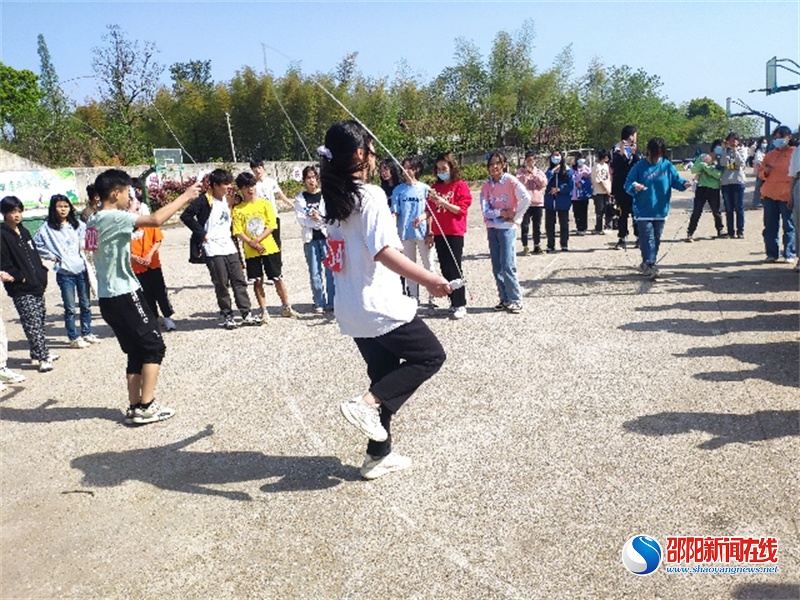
column 555, row 159
column 779, row 143
column 718, row 150
column 763, row 147
column 443, row 176
column 581, row 162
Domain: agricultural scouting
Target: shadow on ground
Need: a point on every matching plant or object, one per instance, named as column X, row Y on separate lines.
column 766, row 591
column 726, row 428
column 45, row 413
column 777, row 362
column 172, row 468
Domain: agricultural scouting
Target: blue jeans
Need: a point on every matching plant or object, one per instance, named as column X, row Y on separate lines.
column 504, row 263
column 776, row 211
column 316, row 251
column 650, row 239
column 733, row 194
column 68, row 284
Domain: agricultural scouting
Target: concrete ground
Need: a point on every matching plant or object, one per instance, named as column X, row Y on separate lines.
column 612, row 406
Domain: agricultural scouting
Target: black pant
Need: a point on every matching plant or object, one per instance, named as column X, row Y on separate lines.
column 550, row 227
column 136, row 330
column 532, row 216
column 451, row 264
column 625, row 205
column 701, row 196
column 398, row 363
column 155, row 291
column 580, row 211
column 224, row 270
column 601, row 202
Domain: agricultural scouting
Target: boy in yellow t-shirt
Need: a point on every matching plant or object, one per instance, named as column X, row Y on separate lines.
column 254, row 222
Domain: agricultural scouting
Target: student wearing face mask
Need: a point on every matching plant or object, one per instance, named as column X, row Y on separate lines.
column 758, row 157
column 557, row 200
column 732, row 162
column 449, row 200
column 708, row 178
column 776, row 196
column 582, row 176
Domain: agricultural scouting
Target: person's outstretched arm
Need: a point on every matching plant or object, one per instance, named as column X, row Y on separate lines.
column 162, row 215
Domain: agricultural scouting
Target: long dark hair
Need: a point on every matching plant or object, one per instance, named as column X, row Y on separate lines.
column 455, row 171
column 656, row 148
column 53, row 220
column 561, row 171
column 340, row 189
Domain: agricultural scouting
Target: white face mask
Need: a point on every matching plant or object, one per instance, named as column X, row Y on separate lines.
column 556, row 159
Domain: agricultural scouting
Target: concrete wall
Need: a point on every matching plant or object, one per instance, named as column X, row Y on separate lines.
column 281, row 171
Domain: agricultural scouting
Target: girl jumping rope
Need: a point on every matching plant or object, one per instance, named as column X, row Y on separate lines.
column 365, row 255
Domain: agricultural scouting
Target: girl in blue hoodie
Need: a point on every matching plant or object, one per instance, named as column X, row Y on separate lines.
column 650, row 183
column 557, row 200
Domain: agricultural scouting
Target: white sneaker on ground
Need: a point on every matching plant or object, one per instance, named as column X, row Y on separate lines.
column 45, row 366
column 79, row 343
column 460, row 312
column 169, row 324
column 289, row 312
column 9, row 376
column 365, row 417
column 91, row 338
column 514, row 307
column 377, row 467
column 153, row 413
column 2, row 386
column 251, row 319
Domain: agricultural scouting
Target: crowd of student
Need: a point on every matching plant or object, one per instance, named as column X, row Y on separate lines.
column 236, row 234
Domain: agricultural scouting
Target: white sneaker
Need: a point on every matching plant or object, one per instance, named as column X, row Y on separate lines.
column 169, row 324
column 365, row 417
column 289, row 312
column 377, row 467
column 9, row 376
column 460, row 312
column 79, row 344
column 91, row 338
column 45, row 366
column 153, row 413
column 2, row 386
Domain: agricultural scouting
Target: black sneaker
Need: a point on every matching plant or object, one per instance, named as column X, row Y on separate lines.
column 537, row 249
column 500, row 306
column 229, row 322
column 621, row 245
column 740, row 235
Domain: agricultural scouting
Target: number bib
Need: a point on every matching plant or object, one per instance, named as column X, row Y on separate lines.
column 334, row 257
column 90, row 243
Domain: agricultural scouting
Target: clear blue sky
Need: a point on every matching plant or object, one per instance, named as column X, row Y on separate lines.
column 697, row 48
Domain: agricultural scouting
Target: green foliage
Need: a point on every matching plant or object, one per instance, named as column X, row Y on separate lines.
column 475, row 104
column 19, row 98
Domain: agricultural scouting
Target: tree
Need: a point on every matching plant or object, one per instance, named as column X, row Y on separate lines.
column 19, row 99
column 194, row 72
column 128, row 77
column 59, row 142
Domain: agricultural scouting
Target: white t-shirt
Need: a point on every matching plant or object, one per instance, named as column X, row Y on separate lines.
column 267, row 188
column 369, row 298
column 218, row 230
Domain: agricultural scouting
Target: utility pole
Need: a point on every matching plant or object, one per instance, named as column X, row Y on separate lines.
column 230, row 135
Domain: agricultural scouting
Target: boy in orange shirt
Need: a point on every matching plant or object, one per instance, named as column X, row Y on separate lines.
column 145, row 242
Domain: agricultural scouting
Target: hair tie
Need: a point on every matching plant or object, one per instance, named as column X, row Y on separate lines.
column 324, row 151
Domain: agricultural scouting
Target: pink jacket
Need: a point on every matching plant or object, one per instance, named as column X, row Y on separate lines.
column 535, row 182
